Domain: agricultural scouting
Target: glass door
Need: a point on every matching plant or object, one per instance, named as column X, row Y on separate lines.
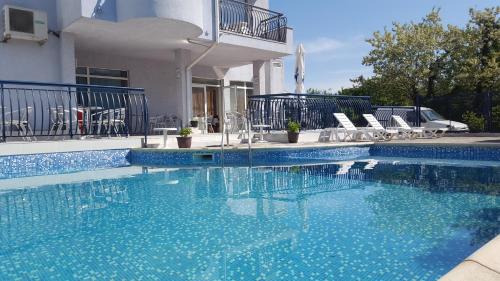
column 206, row 107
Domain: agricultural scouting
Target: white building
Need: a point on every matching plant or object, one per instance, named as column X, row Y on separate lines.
column 183, row 52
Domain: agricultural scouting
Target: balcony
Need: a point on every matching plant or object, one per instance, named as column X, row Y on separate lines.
column 244, row 19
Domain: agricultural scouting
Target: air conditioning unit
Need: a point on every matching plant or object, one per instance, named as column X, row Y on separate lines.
column 25, row 24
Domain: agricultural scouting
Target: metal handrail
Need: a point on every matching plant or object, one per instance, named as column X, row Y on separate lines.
column 246, row 19
column 75, row 105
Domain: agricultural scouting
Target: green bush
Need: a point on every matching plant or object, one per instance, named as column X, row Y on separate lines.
column 475, row 122
column 185, row 132
column 293, row 126
column 495, row 115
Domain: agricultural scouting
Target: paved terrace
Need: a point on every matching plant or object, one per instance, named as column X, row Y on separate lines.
column 205, row 141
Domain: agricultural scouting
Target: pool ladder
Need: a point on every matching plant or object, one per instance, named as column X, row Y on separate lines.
column 225, row 133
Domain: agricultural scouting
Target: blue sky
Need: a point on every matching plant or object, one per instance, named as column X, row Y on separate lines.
column 334, row 32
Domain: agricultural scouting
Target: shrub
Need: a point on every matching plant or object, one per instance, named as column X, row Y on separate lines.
column 495, row 116
column 475, row 122
column 186, row 132
column 293, row 126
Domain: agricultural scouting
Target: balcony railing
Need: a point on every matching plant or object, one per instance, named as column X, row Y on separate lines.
column 311, row 111
column 31, row 110
column 245, row 19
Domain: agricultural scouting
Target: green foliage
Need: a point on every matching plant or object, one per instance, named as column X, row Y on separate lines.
column 429, row 59
column 293, row 126
column 475, row 122
column 185, row 132
column 496, row 118
column 314, row 91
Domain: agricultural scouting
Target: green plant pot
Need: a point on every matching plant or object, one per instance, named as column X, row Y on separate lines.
column 184, row 142
column 293, row 137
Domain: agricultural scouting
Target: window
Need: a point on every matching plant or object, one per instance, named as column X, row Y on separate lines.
column 247, row 86
column 102, row 98
column 102, row 77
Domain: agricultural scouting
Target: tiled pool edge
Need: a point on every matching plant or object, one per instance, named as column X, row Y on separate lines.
column 489, row 152
column 258, row 156
column 24, row 165
column 27, row 165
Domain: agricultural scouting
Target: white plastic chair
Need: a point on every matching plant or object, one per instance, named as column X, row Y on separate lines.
column 21, row 123
column 109, row 120
column 60, row 120
column 414, row 132
column 347, row 127
column 378, row 131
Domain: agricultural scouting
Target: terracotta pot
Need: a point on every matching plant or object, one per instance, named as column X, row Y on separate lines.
column 293, row 137
column 184, row 142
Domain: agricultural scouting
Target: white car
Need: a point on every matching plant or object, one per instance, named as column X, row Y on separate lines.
column 432, row 119
column 428, row 119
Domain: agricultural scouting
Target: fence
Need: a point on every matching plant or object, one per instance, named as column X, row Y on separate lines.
column 311, row 111
column 453, row 107
column 30, row 110
column 242, row 18
column 384, row 114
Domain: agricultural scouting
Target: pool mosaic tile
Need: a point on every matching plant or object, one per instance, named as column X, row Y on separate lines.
column 14, row 166
column 458, row 152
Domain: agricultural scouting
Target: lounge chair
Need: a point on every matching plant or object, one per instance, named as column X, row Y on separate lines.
column 379, row 132
column 414, row 132
column 347, row 127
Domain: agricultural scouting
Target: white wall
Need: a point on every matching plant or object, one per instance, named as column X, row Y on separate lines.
column 242, row 73
column 27, row 60
column 157, row 77
column 184, row 10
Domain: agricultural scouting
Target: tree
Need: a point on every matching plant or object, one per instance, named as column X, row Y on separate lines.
column 439, row 63
column 315, row 91
column 484, row 36
column 382, row 91
column 409, row 54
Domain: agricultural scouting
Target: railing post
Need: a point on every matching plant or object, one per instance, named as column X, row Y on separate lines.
column 489, row 112
column 2, row 106
column 70, row 109
column 417, row 110
column 146, row 119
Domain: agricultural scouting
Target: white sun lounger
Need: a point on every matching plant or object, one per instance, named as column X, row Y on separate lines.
column 414, row 132
column 347, row 127
column 379, row 132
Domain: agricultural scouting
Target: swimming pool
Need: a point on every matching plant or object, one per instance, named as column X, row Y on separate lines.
column 372, row 218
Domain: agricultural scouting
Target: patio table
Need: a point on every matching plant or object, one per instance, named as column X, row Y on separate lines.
column 261, row 131
column 165, row 133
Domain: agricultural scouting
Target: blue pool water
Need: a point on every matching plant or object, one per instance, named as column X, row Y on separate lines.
column 391, row 219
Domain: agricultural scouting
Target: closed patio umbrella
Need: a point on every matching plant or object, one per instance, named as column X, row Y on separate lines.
column 300, row 68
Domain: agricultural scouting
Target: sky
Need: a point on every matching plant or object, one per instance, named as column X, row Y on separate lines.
column 334, row 32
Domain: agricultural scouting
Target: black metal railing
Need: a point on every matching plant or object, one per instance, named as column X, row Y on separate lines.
column 311, row 111
column 30, row 110
column 242, row 18
column 384, row 115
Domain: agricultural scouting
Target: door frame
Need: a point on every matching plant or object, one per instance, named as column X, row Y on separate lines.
column 205, row 104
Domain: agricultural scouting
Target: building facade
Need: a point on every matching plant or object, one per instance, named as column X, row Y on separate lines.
column 183, row 52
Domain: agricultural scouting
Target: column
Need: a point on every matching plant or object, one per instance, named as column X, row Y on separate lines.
column 259, row 78
column 67, row 58
column 183, row 85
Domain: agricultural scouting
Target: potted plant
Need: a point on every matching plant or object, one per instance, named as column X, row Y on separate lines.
column 194, row 123
column 293, row 131
column 184, row 141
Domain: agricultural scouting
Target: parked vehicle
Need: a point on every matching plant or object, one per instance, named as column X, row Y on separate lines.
column 428, row 117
